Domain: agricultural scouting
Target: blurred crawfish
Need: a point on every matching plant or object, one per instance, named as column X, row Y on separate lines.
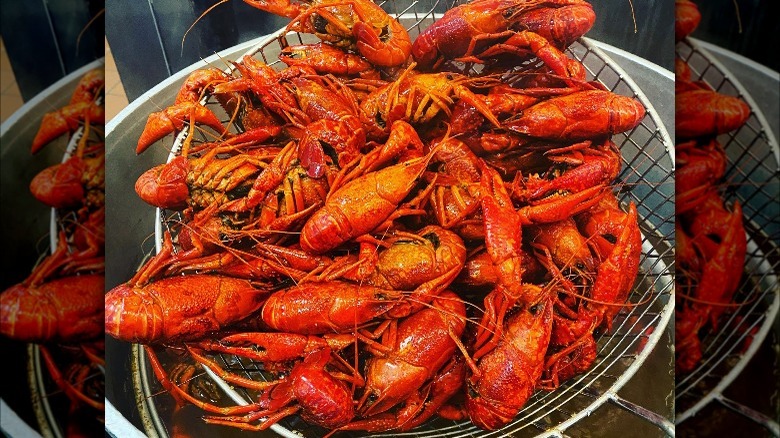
column 701, row 164
column 78, row 181
column 82, row 109
column 61, row 300
column 354, row 24
column 477, row 27
column 686, row 18
column 701, row 111
column 60, row 304
column 713, row 249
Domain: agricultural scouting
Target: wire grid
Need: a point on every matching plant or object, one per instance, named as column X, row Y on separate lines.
column 752, row 178
column 646, row 179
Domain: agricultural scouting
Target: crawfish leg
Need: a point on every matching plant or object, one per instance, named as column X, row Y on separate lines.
column 72, row 392
column 177, row 392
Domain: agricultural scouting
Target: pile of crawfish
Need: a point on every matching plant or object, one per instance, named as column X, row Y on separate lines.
column 399, row 229
column 59, row 306
column 711, row 243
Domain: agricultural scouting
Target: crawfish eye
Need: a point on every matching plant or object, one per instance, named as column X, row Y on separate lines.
column 472, row 392
column 507, row 14
column 433, row 238
column 535, row 309
column 384, row 36
column 330, row 151
column 320, row 24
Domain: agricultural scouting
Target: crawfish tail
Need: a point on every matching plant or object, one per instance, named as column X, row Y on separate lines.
column 67, row 309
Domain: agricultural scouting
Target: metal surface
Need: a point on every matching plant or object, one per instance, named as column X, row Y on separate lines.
column 752, row 179
column 648, row 160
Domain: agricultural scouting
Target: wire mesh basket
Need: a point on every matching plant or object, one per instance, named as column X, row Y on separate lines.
column 752, row 178
column 646, row 179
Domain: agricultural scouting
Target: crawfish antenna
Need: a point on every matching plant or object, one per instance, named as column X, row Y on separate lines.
column 633, row 15
column 739, row 18
column 86, row 26
column 196, row 22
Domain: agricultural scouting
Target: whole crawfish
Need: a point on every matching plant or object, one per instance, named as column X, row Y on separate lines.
column 177, row 308
column 362, row 205
column 471, row 28
column 506, row 376
column 413, row 367
column 82, row 109
column 355, row 24
column 701, row 111
column 579, row 116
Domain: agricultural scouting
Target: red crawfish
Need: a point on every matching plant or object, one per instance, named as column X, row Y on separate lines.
column 82, row 109
column 361, row 205
column 686, row 18
column 701, row 111
column 413, row 367
column 470, row 28
column 506, row 377
column 579, row 116
column 186, row 108
column 355, row 24
column 59, row 302
column 172, row 309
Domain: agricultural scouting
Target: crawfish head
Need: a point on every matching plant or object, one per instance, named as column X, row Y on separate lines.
column 60, row 186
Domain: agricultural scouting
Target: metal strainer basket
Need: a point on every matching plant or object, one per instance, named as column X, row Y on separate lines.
column 752, row 178
column 646, row 179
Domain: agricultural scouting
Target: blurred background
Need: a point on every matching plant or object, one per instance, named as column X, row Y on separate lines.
column 746, row 27
column 41, row 43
